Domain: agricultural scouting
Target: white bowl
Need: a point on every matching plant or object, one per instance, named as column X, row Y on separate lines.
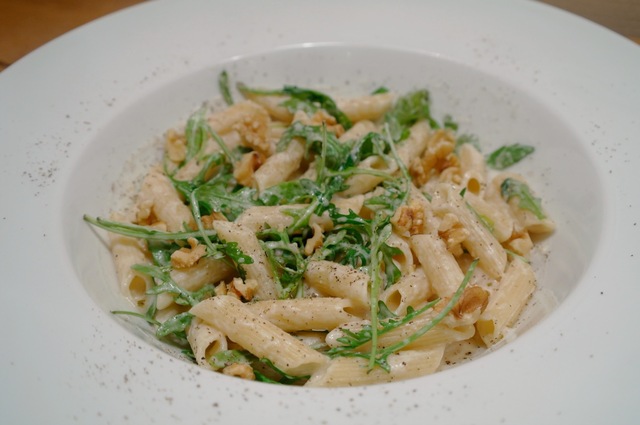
column 494, row 110
column 509, row 71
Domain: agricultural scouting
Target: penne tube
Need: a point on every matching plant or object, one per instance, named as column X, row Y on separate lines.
column 248, row 243
column 206, row 270
column 279, row 166
column 479, row 242
column 257, row 335
column 354, row 371
column 337, row 280
column 127, row 252
column 260, row 218
column 415, row 144
column 359, row 130
column 439, row 265
column 158, row 198
column 303, row 314
column 506, row 303
column 205, row 341
column 412, row 290
column 369, row 108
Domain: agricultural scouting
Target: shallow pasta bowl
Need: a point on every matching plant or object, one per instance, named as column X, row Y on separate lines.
column 72, row 132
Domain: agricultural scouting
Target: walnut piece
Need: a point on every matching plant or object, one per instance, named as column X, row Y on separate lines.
column 187, row 257
column 473, row 298
column 409, row 219
column 239, row 370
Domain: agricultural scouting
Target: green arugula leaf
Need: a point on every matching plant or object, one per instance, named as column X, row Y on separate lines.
column 449, row 123
column 316, row 140
column 166, row 284
column 286, row 260
column 285, row 378
column 196, row 134
column 143, row 232
column 467, row 138
column 223, row 85
column 380, row 90
column 176, row 325
column 351, row 341
column 303, row 99
column 220, row 198
column 408, row 110
column 514, row 188
column 222, row 359
column 506, row 156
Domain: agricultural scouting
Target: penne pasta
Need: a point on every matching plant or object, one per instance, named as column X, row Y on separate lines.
column 345, row 371
column 260, row 337
column 296, row 239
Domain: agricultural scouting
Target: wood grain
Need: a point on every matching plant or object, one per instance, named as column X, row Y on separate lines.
column 27, row 24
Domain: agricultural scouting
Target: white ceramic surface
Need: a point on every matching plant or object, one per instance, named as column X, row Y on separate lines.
column 510, row 71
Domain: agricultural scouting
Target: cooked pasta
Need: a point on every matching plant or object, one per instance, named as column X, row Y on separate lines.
column 296, row 239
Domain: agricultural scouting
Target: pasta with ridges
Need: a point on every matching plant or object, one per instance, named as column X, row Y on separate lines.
column 293, row 238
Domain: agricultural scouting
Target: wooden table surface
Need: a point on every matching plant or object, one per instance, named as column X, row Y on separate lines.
column 28, row 24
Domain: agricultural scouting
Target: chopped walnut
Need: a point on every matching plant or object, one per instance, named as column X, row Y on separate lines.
column 409, row 219
column 187, row 257
column 243, row 288
column 438, row 157
column 473, row 298
column 248, row 164
column 452, row 232
column 253, row 127
column 239, row 370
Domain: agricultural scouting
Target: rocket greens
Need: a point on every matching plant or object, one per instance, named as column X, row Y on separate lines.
column 358, row 240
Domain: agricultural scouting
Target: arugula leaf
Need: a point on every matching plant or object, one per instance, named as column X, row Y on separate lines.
column 408, row 110
column 467, row 138
column 176, row 325
column 508, row 155
column 449, row 123
column 143, row 232
column 285, row 378
column 223, row 85
column 317, row 140
column 514, row 188
column 166, row 284
column 286, row 260
column 161, row 251
column 299, row 191
column 380, row 90
column 217, row 197
column 222, row 359
column 352, row 341
column 387, row 351
column 384, row 313
column 303, row 99
column 196, row 134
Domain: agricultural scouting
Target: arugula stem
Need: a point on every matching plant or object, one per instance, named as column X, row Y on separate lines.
column 143, row 232
column 195, row 211
column 437, row 319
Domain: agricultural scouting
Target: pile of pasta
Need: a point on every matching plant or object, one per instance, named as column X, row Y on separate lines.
column 454, row 215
